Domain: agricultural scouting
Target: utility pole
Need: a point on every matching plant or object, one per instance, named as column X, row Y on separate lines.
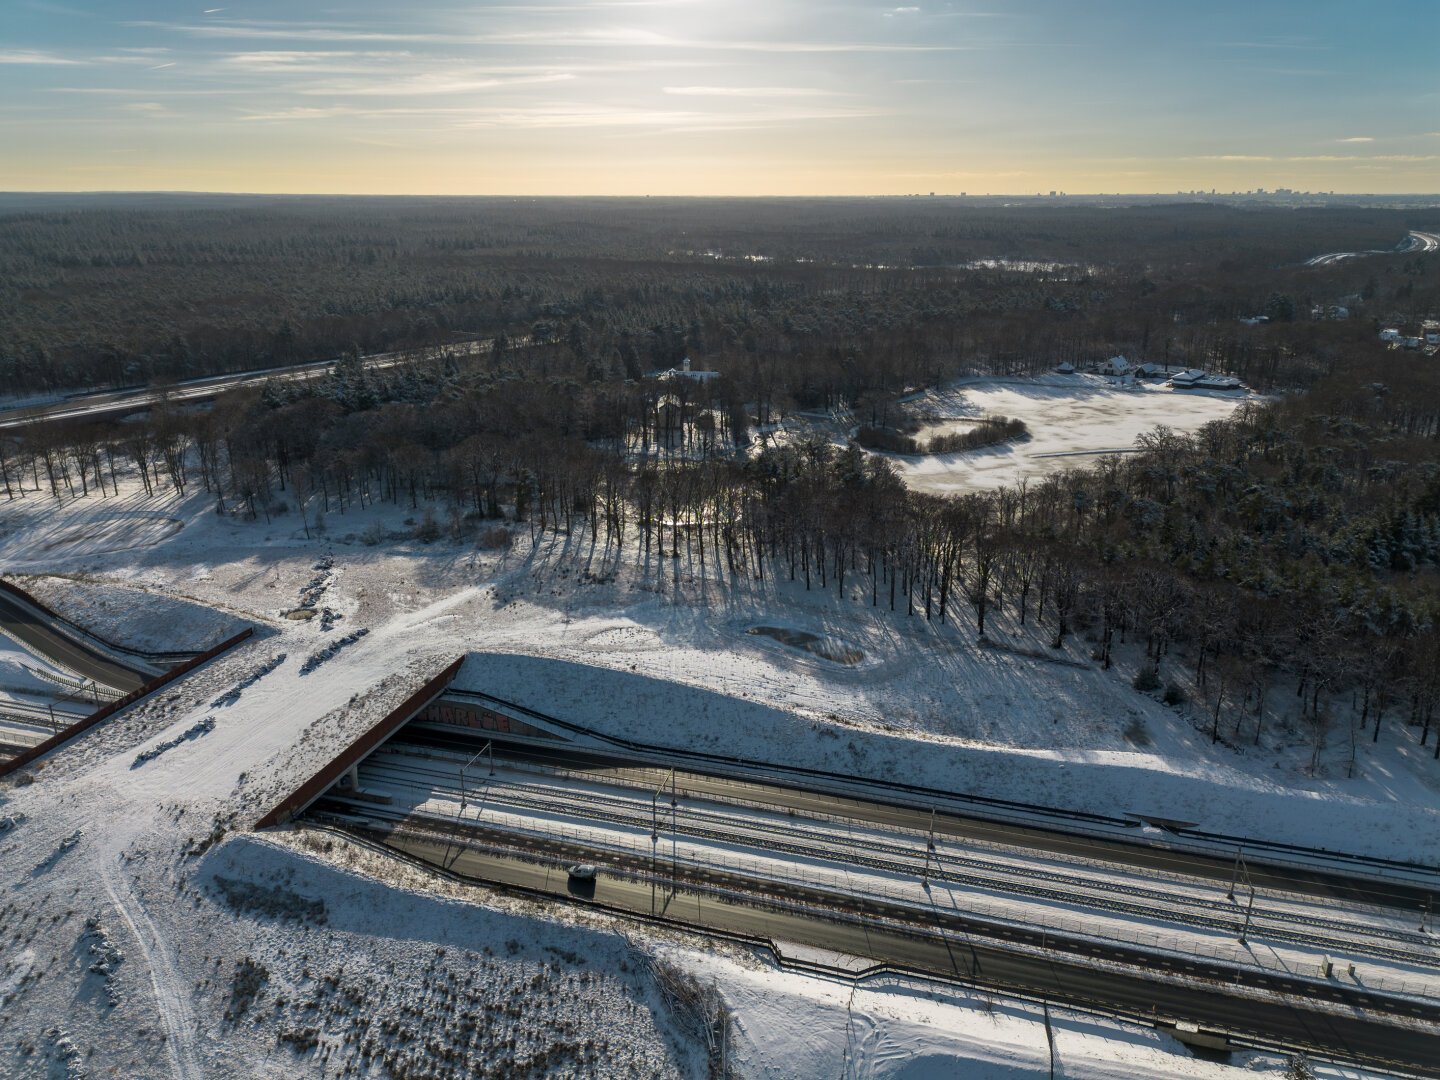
column 1235, row 874
column 1248, row 909
column 489, row 749
column 1425, row 922
column 929, row 851
column 655, row 836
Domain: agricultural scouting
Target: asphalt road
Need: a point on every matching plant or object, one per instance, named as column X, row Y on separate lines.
column 1416, row 243
column 36, row 630
column 1319, row 883
column 122, row 402
column 1345, row 1033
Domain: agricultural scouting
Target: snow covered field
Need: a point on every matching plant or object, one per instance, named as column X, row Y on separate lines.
column 658, row 652
column 1072, row 419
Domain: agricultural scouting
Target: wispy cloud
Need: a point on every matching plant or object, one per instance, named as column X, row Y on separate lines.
column 600, row 37
column 559, row 115
column 1329, row 158
column 33, row 56
column 749, row 91
column 1358, row 139
column 427, row 84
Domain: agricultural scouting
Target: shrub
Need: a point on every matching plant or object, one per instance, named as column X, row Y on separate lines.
column 886, row 438
column 496, row 538
column 1175, row 694
column 989, row 431
column 1147, row 680
column 428, row 531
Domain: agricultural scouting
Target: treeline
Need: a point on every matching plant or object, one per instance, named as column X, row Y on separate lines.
column 810, row 302
column 1294, row 545
column 987, row 431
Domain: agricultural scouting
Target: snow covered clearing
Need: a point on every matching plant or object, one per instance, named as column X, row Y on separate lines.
column 1072, row 419
column 210, row 984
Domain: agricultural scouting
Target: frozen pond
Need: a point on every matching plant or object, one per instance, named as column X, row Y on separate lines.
column 1072, row 421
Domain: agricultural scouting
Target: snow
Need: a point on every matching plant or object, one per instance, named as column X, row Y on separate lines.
column 1072, row 420
column 145, row 618
column 888, row 1028
column 658, row 653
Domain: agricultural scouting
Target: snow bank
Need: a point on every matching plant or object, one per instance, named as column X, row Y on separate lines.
column 133, row 617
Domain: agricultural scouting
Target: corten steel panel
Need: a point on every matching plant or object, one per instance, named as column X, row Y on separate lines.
column 318, row 784
column 107, row 711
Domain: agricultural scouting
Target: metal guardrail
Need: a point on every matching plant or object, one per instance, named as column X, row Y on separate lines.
column 968, row 871
column 60, row 738
column 915, row 897
column 1009, row 812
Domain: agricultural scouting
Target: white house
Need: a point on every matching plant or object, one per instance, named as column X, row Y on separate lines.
column 1116, row 365
column 1194, row 379
column 1150, row 371
column 686, row 372
column 1219, row 382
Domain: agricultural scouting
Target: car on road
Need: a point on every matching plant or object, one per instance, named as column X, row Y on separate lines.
column 583, row 871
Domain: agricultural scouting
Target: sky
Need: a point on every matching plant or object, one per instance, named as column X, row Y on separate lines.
column 701, row 97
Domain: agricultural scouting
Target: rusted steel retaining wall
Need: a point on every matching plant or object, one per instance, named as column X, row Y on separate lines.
column 60, row 738
column 318, row 784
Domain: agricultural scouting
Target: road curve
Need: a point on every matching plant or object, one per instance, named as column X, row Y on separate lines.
column 1415, row 243
column 34, row 628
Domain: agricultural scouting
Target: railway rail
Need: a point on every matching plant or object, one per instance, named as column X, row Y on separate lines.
column 805, row 836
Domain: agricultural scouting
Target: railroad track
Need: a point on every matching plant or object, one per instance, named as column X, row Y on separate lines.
column 961, row 933
column 907, row 862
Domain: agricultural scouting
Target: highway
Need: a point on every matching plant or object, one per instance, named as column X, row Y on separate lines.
column 1199, row 993
column 1416, row 243
column 36, row 629
column 862, row 878
column 121, row 402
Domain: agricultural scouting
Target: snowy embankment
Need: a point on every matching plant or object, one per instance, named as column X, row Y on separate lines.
column 652, row 651
column 131, row 616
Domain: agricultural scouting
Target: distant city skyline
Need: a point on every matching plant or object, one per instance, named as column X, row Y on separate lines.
column 688, row 97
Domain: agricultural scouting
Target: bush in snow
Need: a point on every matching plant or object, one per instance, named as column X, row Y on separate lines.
column 1147, row 680
column 233, row 694
column 194, row 731
column 317, row 658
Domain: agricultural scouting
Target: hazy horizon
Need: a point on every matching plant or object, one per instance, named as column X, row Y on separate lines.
column 691, row 98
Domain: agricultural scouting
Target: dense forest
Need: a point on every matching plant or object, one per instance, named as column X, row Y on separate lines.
column 842, row 297
column 1294, row 545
